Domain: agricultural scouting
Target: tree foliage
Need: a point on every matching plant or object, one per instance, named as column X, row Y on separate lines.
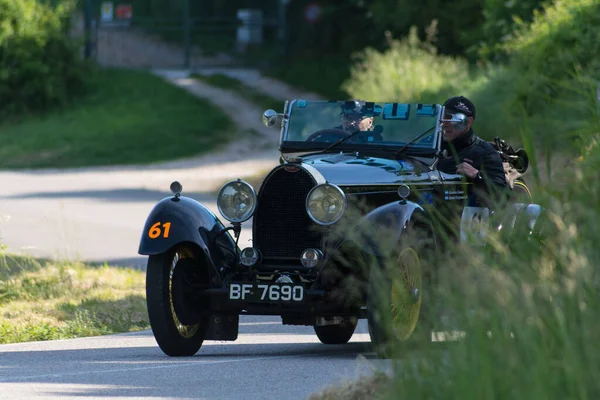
column 40, row 66
column 500, row 19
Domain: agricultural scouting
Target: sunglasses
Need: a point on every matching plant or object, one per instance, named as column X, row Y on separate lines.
column 448, row 116
column 352, row 117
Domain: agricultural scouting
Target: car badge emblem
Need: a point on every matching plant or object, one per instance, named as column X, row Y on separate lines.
column 291, row 168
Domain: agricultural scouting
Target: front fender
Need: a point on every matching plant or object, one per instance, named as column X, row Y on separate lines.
column 372, row 239
column 384, row 225
column 177, row 220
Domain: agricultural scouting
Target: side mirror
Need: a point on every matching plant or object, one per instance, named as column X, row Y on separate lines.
column 270, row 118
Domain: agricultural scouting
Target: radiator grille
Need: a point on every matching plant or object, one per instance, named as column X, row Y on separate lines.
column 282, row 228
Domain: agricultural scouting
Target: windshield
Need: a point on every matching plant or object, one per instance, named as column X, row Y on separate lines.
column 371, row 123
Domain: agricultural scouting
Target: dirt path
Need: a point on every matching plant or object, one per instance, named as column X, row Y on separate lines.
column 254, row 79
column 257, row 143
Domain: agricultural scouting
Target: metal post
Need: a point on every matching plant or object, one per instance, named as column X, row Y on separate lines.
column 282, row 32
column 87, row 28
column 186, row 32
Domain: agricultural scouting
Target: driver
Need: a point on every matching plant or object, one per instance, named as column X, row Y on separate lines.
column 353, row 117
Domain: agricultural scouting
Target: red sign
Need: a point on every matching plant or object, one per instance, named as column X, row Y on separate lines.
column 124, row 11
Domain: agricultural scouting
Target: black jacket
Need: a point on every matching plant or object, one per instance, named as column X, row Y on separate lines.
column 482, row 156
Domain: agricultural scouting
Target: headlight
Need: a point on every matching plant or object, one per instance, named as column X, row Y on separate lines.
column 326, row 204
column 236, row 201
column 249, row 257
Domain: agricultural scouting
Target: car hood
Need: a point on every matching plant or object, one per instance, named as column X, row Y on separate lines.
column 346, row 169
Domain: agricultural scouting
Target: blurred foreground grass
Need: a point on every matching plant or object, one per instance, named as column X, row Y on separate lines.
column 42, row 300
column 527, row 308
column 131, row 117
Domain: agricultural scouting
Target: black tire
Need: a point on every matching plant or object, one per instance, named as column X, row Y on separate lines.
column 336, row 334
column 176, row 313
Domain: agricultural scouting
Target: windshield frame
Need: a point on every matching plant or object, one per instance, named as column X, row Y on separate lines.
column 288, row 146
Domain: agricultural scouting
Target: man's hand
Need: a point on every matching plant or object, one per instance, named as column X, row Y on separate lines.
column 467, row 170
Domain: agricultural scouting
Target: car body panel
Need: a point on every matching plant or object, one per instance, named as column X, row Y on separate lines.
column 189, row 222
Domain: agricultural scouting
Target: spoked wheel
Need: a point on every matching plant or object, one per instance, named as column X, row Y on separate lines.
column 336, row 334
column 178, row 315
column 395, row 302
column 406, row 292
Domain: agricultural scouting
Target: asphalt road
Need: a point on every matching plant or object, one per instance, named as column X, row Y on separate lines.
column 268, row 361
column 97, row 215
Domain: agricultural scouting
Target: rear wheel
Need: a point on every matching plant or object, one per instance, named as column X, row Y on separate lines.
column 336, row 334
column 178, row 316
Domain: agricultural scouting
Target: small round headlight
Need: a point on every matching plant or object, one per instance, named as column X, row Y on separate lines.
column 310, row 258
column 236, row 201
column 249, row 257
column 326, row 204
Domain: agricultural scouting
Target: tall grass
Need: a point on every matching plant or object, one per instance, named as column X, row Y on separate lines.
column 528, row 309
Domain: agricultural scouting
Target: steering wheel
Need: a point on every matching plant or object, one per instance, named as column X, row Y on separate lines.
column 338, row 133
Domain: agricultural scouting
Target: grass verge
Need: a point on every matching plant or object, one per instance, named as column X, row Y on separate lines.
column 42, row 300
column 223, row 81
column 132, row 117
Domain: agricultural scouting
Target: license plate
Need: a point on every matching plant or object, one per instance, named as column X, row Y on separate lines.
column 266, row 292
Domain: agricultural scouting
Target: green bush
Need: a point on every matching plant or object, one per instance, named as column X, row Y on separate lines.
column 500, row 19
column 409, row 70
column 561, row 40
column 40, row 66
column 549, row 78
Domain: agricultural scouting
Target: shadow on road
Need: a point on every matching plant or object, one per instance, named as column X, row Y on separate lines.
column 115, row 195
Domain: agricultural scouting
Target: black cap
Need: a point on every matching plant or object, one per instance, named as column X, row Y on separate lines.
column 460, row 104
column 353, row 108
column 360, row 108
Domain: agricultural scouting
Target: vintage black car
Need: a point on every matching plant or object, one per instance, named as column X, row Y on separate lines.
column 351, row 177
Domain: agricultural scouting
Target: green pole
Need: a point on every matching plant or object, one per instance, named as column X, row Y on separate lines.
column 87, row 27
column 186, row 32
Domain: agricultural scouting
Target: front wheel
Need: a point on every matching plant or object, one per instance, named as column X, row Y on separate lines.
column 395, row 298
column 178, row 316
